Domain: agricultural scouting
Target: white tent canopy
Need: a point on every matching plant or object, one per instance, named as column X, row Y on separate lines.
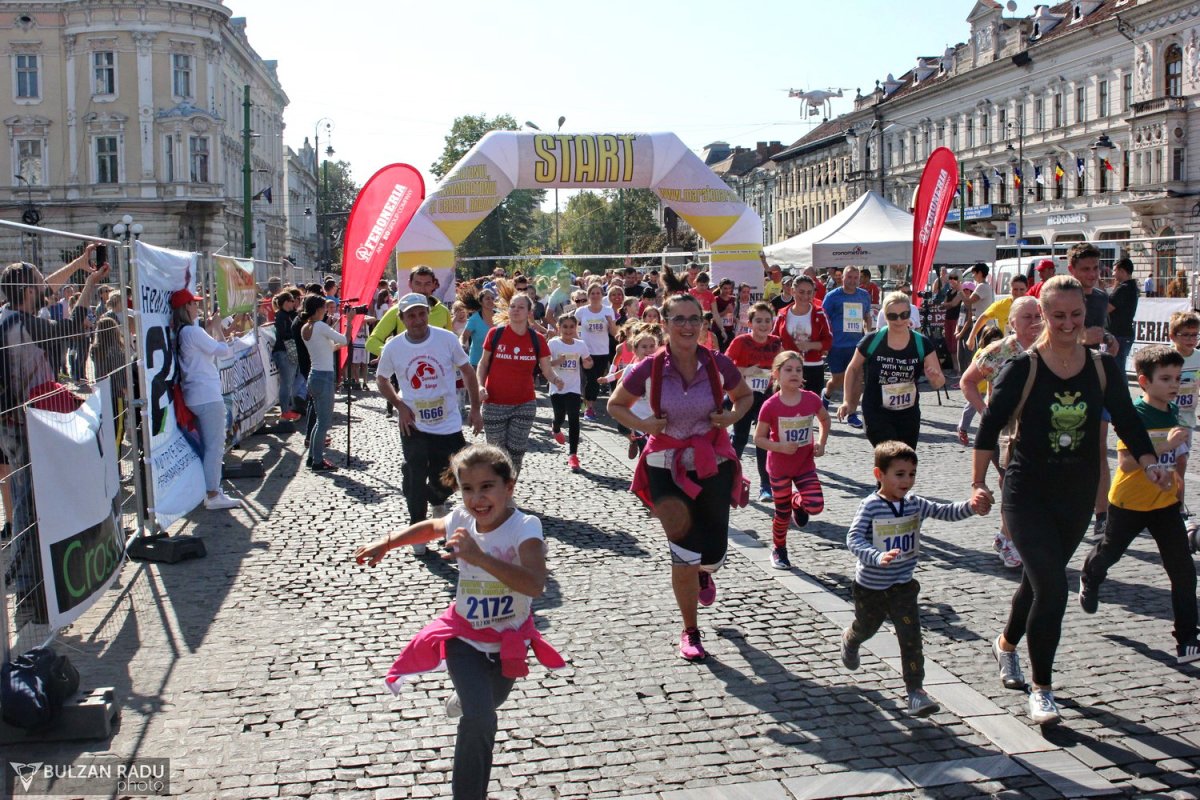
column 873, row 232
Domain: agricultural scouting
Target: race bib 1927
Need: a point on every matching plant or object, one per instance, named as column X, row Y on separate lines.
column 796, row 429
column 901, row 533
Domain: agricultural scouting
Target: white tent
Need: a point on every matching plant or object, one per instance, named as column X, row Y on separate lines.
column 872, row 232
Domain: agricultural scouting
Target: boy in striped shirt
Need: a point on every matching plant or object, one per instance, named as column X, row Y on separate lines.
column 885, row 537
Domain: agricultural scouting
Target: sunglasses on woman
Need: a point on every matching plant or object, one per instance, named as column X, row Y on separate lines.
column 898, row 315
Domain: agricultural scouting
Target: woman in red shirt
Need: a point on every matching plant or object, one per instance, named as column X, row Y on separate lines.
column 510, row 352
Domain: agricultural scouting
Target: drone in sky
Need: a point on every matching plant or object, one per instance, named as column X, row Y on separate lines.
column 816, row 100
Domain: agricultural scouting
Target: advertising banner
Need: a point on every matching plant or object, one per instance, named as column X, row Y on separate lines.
column 236, row 291
column 244, row 387
column 505, row 160
column 380, row 214
column 176, row 475
column 935, row 195
column 75, row 482
column 1151, row 323
column 266, row 340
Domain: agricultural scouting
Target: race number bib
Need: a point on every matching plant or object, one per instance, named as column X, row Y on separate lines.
column 759, row 379
column 569, row 364
column 796, row 429
column 852, row 319
column 1158, row 437
column 484, row 604
column 596, row 326
column 1187, row 393
column 902, row 533
column 899, row 396
column 432, row 411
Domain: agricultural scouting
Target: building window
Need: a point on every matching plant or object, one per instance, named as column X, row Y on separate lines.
column 1002, row 122
column 198, row 158
column 1080, row 104
column 1174, row 71
column 106, row 159
column 1081, row 181
column 954, row 136
column 1003, row 184
column 29, row 161
column 104, row 72
column 169, row 170
column 1059, row 113
column 1102, row 173
column 27, row 77
column 1177, row 164
column 181, row 75
column 1157, row 175
column 1039, row 114
column 1102, row 99
column 970, row 133
column 985, row 129
column 1126, row 91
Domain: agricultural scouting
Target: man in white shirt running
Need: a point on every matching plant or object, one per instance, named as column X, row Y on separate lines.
column 424, row 360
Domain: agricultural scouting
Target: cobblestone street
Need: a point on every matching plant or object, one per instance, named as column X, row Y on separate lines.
column 259, row 670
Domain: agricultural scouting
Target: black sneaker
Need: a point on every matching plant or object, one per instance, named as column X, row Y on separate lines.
column 800, row 515
column 849, row 652
column 1089, row 597
column 1099, row 525
column 1188, row 652
column 779, row 558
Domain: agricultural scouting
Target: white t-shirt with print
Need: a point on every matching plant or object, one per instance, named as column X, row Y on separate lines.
column 427, row 372
column 570, row 370
column 593, row 328
column 481, row 598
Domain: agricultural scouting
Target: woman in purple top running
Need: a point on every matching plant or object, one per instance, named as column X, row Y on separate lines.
column 689, row 469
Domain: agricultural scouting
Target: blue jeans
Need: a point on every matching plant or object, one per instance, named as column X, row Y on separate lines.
column 1126, row 344
column 210, row 420
column 287, row 379
column 320, row 389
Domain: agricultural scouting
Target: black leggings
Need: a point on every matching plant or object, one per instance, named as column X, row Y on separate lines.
column 814, row 377
column 899, row 604
column 1167, row 528
column 1046, row 532
column 892, row 426
column 567, row 405
column 741, row 435
column 592, row 376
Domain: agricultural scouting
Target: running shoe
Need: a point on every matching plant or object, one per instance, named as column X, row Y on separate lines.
column 998, row 542
column 708, row 589
column 1099, row 525
column 632, row 451
column 825, row 400
column 558, row 437
column 454, row 706
column 1089, row 597
column 920, row 704
column 854, row 421
column 849, row 652
column 420, row 549
column 1187, row 652
column 1010, row 666
column 589, row 414
column 1042, row 708
column 1009, row 556
column 779, row 558
column 290, row 416
column 573, row 463
column 324, row 466
column 764, row 496
column 798, row 512
column 964, row 438
column 690, row 648
column 220, row 501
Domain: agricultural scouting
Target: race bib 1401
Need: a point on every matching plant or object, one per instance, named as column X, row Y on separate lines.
column 902, row 533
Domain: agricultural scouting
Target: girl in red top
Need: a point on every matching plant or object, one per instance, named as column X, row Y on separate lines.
column 804, row 327
column 510, row 353
column 753, row 353
column 785, row 431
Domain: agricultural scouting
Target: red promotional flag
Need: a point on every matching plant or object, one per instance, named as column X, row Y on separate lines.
column 381, row 212
column 935, row 194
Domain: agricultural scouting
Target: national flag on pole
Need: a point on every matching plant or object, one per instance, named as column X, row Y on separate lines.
column 997, row 173
column 1108, row 165
column 1016, row 178
column 1058, row 172
column 986, row 183
column 1079, row 167
column 1038, row 177
column 970, row 185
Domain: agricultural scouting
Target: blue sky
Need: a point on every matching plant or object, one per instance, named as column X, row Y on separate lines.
column 393, row 76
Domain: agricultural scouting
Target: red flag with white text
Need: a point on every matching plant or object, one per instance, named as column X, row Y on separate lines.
column 935, row 195
column 384, row 207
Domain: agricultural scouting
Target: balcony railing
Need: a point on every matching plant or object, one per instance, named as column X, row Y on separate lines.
column 1159, row 104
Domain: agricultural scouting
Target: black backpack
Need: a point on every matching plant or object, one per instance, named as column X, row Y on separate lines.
column 34, row 686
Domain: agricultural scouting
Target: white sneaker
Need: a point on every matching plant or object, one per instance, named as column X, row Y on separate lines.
column 1010, row 557
column 454, row 706
column 420, row 549
column 221, row 501
column 1042, row 708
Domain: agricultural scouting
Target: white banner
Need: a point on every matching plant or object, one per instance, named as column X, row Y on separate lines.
column 244, row 388
column 75, row 483
column 1152, row 323
column 175, row 470
column 266, row 341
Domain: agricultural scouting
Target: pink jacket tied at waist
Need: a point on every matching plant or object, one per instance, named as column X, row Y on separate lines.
column 706, row 448
column 427, row 650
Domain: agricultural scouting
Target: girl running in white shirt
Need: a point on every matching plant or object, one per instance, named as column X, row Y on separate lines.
column 570, row 357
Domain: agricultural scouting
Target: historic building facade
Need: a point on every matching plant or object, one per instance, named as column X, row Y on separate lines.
column 136, row 108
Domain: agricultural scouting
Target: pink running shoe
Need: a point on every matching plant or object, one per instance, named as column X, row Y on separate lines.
column 690, row 648
column 573, row 463
column 558, row 437
column 708, row 589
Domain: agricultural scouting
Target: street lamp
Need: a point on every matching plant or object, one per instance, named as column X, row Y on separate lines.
column 126, row 228
column 557, row 244
column 876, row 128
column 322, row 237
column 1016, row 159
column 1101, row 148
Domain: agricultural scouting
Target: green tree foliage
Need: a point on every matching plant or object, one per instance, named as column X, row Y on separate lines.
column 513, row 224
column 612, row 221
column 335, row 199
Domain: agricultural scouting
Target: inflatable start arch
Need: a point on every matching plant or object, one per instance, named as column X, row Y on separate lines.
column 506, row 160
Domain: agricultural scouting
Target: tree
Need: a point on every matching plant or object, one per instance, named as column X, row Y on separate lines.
column 335, row 198
column 514, row 222
column 613, row 221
